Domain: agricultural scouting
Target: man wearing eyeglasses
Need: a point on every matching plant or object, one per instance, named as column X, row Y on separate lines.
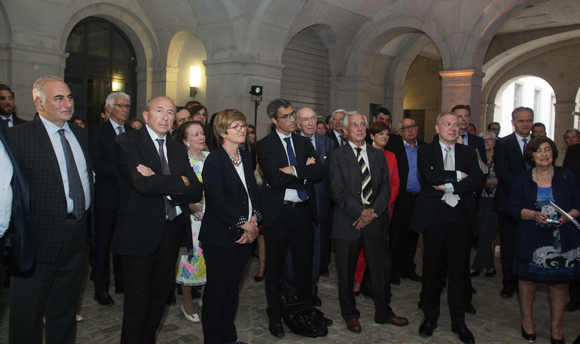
column 103, row 153
column 291, row 167
column 402, row 241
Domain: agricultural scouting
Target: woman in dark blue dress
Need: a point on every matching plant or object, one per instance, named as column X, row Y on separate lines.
column 547, row 251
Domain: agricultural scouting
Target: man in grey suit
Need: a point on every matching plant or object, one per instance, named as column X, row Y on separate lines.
column 358, row 179
column 54, row 158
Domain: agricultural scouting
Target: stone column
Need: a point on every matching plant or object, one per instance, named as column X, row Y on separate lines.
column 353, row 93
column 462, row 87
column 171, row 82
column 228, row 87
column 395, row 97
column 564, row 120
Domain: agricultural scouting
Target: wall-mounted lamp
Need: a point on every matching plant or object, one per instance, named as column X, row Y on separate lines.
column 194, row 78
column 115, row 87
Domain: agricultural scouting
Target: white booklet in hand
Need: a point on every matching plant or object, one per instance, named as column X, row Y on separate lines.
column 573, row 220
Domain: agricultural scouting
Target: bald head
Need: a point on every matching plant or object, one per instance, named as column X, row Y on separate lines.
column 306, row 120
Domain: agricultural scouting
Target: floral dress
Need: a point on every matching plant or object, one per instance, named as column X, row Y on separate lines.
column 191, row 264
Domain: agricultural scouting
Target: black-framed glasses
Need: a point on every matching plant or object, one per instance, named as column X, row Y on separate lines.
column 287, row 117
column 121, row 106
column 409, row 127
column 238, row 126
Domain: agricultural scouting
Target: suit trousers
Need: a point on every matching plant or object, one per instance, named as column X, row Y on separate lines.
column 447, row 243
column 326, row 241
column 507, row 233
column 574, row 291
column 486, row 230
column 56, row 286
column 403, row 241
column 225, row 267
column 288, row 279
column 293, row 227
column 105, row 226
column 147, row 283
column 379, row 265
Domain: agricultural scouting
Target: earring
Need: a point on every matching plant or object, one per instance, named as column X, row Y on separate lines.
column 187, row 145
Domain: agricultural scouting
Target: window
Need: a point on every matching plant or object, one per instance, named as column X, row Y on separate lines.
column 518, row 95
column 537, row 101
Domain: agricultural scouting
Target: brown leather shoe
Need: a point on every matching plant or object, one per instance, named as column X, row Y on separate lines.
column 397, row 321
column 353, row 325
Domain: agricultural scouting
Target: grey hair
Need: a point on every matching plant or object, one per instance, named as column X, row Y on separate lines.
column 443, row 114
column 337, row 111
column 353, row 113
column 111, row 98
column 488, row 133
column 148, row 105
column 275, row 105
column 520, row 109
column 405, row 119
column 38, row 86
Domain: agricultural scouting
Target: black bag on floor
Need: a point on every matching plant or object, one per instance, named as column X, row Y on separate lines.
column 303, row 319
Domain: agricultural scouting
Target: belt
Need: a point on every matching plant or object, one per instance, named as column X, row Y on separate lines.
column 169, row 222
column 297, row 204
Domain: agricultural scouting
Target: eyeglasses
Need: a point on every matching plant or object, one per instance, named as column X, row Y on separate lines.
column 409, row 127
column 487, row 140
column 288, row 116
column 238, row 126
column 126, row 106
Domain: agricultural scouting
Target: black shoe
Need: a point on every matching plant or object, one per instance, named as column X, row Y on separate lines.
column 490, row 274
column 464, row 334
column 276, row 328
column 316, row 301
column 104, row 299
column 473, row 291
column 427, row 327
column 356, row 293
column 120, row 290
column 530, row 338
column 328, row 322
column 412, row 276
column 474, row 274
column 470, row 309
column 507, row 292
column 420, row 304
column 171, row 298
column 258, row 278
column 396, row 280
column 367, row 294
column 324, row 272
column 572, row 306
column 557, row 341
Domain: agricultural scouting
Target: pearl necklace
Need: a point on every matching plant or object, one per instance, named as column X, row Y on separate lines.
column 543, row 180
column 235, row 162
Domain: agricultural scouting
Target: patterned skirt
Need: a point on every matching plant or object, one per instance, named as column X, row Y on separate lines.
column 191, row 264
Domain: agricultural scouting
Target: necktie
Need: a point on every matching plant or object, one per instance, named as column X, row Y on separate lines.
column 463, row 137
column 120, row 129
column 75, row 187
column 523, row 150
column 5, row 122
column 450, row 197
column 366, row 177
column 301, row 193
column 169, row 209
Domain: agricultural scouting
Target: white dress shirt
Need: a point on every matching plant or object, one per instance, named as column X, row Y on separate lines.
column 6, row 173
column 290, row 195
column 521, row 141
column 448, row 186
column 365, row 157
column 79, row 156
column 9, row 119
column 116, row 125
column 154, row 137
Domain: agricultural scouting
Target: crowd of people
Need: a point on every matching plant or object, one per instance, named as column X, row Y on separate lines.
column 180, row 202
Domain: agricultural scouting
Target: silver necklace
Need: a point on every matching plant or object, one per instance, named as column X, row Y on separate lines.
column 235, row 162
column 543, row 180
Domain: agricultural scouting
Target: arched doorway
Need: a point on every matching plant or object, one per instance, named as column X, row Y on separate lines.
column 101, row 60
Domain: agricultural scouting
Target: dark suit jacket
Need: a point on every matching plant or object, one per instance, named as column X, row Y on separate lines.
column 142, row 209
column 18, row 120
column 332, row 136
column 19, row 243
column 477, row 143
column 48, row 209
column 271, row 157
column 323, row 146
column 226, row 198
column 102, row 147
column 432, row 171
column 509, row 163
column 397, row 146
column 572, row 160
column 345, row 183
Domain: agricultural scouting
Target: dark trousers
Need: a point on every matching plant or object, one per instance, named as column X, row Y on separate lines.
column 447, row 242
column 105, row 225
column 225, row 268
column 147, row 281
column 403, row 241
column 288, row 279
column 325, row 241
column 379, row 266
column 56, row 286
column 486, row 230
column 574, row 291
column 507, row 234
column 293, row 227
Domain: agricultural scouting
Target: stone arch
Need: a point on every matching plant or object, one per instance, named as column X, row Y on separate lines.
column 175, row 77
column 5, row 39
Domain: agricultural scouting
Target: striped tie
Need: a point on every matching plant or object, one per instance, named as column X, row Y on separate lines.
column 366, row 177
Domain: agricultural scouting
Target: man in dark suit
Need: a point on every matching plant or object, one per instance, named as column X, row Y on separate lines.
column 54, row 158
column 306, row 121
column 464, row 114
column 572, row 162
column 403, row 241
column 156, row 187
column 509, row 162
column 358, row 179
column 336, row 133
column 450, row 174
column 102, row 148
column 291, row 167
column 7, row 108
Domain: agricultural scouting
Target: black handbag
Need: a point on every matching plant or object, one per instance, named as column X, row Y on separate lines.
column 303, row 319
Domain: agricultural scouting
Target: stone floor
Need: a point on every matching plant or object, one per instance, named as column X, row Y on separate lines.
column 497, row 319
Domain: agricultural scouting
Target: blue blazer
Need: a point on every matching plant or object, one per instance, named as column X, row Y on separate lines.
column 324, row 145
column 19, row 243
